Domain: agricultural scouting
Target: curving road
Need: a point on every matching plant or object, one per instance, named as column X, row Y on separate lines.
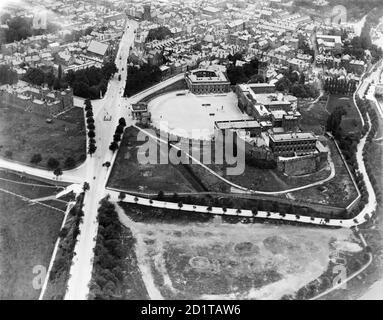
column 96, row 175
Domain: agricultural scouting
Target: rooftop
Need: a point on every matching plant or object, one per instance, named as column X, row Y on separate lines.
column 98, row 47
column 203, row 75
column 294, row 136
column 237, row 124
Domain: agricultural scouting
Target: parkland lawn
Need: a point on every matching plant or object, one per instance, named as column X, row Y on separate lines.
column 130, row 175
column 314, row 117
column 23, row 134
column 27, row 234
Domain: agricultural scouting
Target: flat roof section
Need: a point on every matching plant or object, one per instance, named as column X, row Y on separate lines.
column 293, row 136
column 211, row 76
column 237, row 124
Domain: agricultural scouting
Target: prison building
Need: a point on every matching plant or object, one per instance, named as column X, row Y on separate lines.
column 251, row 126
column 293, row 144
column 203, row 81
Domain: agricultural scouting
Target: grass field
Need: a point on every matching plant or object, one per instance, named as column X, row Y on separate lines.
column 231, row 261
column 128, row 174
column 23, row 134
column 265, row 179
column 27, row 234
column 351, row 122
column 339, row 192
column 314, row 117
column 254, row 178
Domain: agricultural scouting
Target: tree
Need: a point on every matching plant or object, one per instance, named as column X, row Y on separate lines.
column 116, row 137
column 69, row 162
column 121, row 196
column 236, row 74
column 34, row 76
column 59, row 73
column 89, row 120
column 57, row 172
column 91, row 126
column 334, row 120
column 92, row 149
column 89, row 113
column 120, row 129
column 159, row 33
column 86, row 186
column 7, row 75
column 49, row 79
column 56, row 84
column 109, row 69
column 91, row 134
column 53, row 163
column 113, row 146
column 19, row 28
column 122, row 122
column 87, row 103
column 106, row 164
column 36, row 158
column 141, row 78
column 160, row 195
column 283, row 84
column 180, row 205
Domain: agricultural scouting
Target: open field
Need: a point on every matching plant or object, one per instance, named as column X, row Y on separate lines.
column 128, row 174
column 231, row 261
column 27, row 234
column 23, row 134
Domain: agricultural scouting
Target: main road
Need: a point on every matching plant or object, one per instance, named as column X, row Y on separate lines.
column 92, row 171
column 112, row 104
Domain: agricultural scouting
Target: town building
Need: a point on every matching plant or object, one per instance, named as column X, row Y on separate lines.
column 379, row 89
column 203, row 81
column 40, row 100
column 292, row 144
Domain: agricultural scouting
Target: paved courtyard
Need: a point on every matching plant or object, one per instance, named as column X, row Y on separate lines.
column 185, row 113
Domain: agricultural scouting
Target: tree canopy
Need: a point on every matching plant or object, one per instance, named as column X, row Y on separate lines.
column 159, row 33
column 7, row 75
column 141, row 78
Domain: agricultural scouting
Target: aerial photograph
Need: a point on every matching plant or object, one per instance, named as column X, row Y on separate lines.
column 191, row 150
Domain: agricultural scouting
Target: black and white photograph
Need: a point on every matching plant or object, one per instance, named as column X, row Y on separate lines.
column 210, row 152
